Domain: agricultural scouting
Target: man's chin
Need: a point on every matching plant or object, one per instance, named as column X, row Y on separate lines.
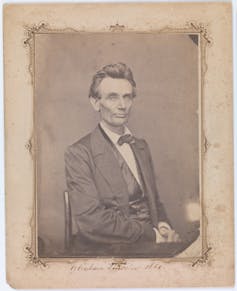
column 116, row 123
column 120, row 121
column 119, row 124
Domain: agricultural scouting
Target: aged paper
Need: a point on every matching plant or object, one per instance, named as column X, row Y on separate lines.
column 183, row 109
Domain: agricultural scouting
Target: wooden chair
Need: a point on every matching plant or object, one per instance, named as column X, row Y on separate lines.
column 68, row 222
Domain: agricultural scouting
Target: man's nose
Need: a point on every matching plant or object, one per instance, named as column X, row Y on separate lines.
column 122, row 104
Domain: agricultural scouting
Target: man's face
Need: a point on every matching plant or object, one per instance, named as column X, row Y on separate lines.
column 116, row 98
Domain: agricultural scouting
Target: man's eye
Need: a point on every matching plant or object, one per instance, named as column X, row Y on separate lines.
column 128, row 96
column 112, row 97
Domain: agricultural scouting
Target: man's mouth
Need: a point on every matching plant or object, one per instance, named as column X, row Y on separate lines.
column 121, row 115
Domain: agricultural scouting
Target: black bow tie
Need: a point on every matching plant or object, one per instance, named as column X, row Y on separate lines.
column 127, row 138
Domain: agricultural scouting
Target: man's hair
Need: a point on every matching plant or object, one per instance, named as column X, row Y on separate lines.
column 115, row 71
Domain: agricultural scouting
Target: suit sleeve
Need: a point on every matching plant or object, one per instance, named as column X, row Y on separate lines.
column 96, row 222
column 162, row 215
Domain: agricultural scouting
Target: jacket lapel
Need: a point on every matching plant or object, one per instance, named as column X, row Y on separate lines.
column 107, row 164
column 140, row 151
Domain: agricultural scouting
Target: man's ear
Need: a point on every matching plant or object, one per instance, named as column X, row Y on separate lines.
column 95, row 102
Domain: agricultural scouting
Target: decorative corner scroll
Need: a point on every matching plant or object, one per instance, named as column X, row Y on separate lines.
column 203, row 259
column 33, row 259
column 200, row 28
column 28, row 42
column 117, row 28
column 30, row 31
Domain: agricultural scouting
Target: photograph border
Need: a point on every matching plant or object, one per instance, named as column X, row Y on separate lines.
column 204, row 42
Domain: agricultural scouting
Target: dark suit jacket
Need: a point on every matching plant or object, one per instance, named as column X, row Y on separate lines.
column 99, row 195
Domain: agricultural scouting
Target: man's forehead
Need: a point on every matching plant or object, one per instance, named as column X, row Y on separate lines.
column 114, row 85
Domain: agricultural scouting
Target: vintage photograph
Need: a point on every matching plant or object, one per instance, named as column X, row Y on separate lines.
column 119, row 145
column 117, row 119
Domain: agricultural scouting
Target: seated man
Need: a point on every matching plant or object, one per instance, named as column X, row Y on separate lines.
column 110, row 177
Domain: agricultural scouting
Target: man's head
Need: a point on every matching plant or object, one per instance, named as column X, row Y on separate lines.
column 111, row 93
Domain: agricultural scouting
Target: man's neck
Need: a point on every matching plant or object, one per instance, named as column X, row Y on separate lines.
column 116, row 129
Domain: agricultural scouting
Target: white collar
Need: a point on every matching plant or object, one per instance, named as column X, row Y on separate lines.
column 114, row 137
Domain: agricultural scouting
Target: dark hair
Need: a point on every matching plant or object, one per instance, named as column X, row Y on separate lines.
column 115, row 71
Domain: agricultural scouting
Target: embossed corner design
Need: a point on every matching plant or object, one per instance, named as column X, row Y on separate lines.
column 203, row 259
column 30, row 32
column 203, row 30
column 32, row 259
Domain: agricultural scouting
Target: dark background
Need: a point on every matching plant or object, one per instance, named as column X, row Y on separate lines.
column 165, row 113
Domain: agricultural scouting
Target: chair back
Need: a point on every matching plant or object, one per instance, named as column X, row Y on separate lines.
column 68, row 221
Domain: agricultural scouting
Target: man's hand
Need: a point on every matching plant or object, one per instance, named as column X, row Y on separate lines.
column 164, row 233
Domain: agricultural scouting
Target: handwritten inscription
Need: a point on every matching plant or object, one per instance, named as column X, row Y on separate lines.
column 114, row 266
column 85, row 267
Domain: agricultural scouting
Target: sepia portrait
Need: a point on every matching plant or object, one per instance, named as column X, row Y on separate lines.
column 127, row 104
column 118, row 145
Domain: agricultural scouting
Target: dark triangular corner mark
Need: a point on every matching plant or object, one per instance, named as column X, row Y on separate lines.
column 194, row 38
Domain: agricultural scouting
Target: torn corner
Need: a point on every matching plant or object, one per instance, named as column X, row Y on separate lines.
column 194, row 38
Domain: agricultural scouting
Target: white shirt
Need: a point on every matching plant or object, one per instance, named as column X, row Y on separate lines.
column 124, row 149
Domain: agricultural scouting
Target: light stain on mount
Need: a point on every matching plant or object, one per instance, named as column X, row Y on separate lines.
column 220, row 208
column 216, row 145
